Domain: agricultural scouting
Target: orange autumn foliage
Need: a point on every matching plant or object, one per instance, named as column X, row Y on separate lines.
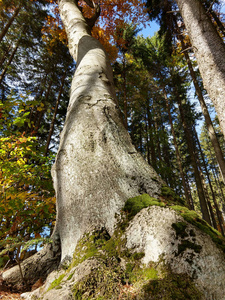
column 114, row 13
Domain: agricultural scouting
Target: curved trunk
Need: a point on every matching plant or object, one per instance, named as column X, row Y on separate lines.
column 97, row 168
column 209, row 50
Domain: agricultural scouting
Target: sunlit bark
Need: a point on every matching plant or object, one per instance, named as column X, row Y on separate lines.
column 209, row 50
column 97, row 168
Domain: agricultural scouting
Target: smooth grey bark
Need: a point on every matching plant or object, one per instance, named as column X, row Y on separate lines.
column 209, row 50
column 214, row 15
column 97, row 168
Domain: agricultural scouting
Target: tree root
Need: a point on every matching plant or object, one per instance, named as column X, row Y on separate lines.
column 33, row 268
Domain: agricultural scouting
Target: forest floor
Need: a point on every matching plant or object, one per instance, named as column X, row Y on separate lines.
column 9, row 296
column 6, row 294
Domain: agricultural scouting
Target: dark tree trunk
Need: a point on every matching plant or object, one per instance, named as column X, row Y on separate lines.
column 9, row 23
column 9, row 62
column 179, row 162
column 55, row 113
column 203, row 203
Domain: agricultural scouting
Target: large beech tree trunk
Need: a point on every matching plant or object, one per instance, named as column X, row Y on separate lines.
column 209, row 50
column 97, row 168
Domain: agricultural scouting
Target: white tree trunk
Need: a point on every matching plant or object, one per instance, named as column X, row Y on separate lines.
column 209, row 50
column 97, row 168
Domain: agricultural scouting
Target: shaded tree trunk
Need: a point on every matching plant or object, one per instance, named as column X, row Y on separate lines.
column 147, row 138
column 179, row 162
column 189, row 192
column 218, row 212
column 216, row 18
column 9, row 62
column 9, row 23
column 5, row 55
column 55, row 113
column 152, row 146
column 203, row 203
column 209, row 50
column 205, row 188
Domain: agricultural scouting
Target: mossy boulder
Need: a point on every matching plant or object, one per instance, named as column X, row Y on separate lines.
column 158, row 251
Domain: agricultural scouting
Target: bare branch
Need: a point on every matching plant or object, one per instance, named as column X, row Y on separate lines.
column 172, row 11
column 210, row 7
column 189, row 48
column 91, row 3
column 91, row 21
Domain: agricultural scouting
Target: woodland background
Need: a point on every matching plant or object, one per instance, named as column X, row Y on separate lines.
column 160, row 104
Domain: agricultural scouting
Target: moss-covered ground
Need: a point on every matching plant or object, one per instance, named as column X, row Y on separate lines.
column 119, row 273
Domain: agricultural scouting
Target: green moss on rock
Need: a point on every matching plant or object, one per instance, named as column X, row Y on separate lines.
column 185, row 244
column 56, row 283
column 181, row 232
column 170, row 197
column 110, row 281
column 136, row 274
column 70, row 276
column 136, row 204
column 193, row 218
column 89, row 245
column 180, row 228
column 171, row 287
column 119, row 274
column 104, row 281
